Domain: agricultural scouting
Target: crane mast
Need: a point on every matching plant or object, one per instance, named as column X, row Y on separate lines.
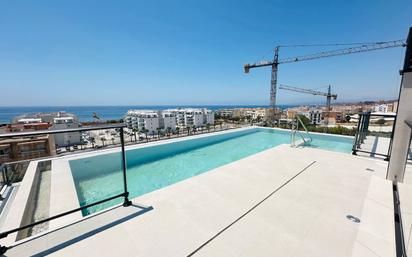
column 273, row 88
column 274, row 79
column 276, row 61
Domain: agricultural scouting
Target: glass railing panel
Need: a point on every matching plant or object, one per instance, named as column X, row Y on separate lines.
column 374, row 135
column 48, row 173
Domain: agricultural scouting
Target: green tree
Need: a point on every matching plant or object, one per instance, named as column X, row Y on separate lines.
column 304, row 119
column 135, row 130
column 177, row 131
column 92, row 141
column 158, row 132
column 208, row 127
column 145, row 134
column 169, row 131
column 188, row 130
column 81, row 142
column 103, row 139
column 144, row 131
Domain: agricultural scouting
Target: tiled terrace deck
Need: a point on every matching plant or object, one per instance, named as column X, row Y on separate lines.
column 280, row 202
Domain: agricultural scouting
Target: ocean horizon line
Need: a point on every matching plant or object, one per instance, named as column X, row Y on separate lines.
column 85, row 113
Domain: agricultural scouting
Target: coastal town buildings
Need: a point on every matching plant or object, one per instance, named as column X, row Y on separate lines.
column 17, row 149
column 386, row 107
column 49, row 120
column 251, row 113
column 318, row 115
column 225, row 113
column 26, row 126
column 193, row 116
column 168, row 119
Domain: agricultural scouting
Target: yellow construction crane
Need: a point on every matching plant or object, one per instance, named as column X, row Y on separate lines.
column 361, row 47
column 329, row 96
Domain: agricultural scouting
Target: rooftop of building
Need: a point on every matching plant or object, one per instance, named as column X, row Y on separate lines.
column 280, row 202
column 47, row 117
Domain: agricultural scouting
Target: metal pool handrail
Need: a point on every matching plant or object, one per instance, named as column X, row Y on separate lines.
column 295, row 129
column 125, row 193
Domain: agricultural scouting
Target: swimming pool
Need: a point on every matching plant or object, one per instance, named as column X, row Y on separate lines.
column 154, row 167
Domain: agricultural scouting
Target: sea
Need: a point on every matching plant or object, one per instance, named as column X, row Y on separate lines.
column 104, row 112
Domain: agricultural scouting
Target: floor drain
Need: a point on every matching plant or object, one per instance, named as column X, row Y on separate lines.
column 353, row 218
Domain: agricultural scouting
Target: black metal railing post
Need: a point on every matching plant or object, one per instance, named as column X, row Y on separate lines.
column 124, row 194
column 367, row 117
column 355, row 143
column 126, row 202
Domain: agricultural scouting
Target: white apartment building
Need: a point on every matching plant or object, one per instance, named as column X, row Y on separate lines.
column 66, row 139
column 152, row 120
column 208, row 117
column 314, row 116
column 381, row 108
column 56, row 120
column 168, row 120
column 228, row 113
column 139, row 119
column 180, row 116
column 193, row 117
column 255, row 113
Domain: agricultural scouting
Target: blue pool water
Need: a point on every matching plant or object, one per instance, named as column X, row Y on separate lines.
column 155, row 167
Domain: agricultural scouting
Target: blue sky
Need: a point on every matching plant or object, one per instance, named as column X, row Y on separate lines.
column 192, row 52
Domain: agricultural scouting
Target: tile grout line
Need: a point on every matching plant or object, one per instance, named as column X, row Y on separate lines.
column 249, row 211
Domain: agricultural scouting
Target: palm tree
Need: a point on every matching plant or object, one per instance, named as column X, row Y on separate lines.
column 177, row 131
column 81, row 142
column 188, row 130
column 93, row 141
column 144, row 131
column 158, row 132
column 194, row 129
column 135, row 130
column 169, row 130
column 103, row 139
column 208, row 127
column 112, row 140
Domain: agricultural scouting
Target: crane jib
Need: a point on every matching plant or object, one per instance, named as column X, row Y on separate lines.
column 345, row 51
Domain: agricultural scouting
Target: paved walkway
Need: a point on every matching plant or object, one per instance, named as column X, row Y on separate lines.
column 280, row 202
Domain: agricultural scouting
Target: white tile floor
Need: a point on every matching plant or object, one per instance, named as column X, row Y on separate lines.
column 305, row 217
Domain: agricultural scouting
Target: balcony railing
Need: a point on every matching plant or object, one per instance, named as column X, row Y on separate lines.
column 6, row 175
column 374, row 135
